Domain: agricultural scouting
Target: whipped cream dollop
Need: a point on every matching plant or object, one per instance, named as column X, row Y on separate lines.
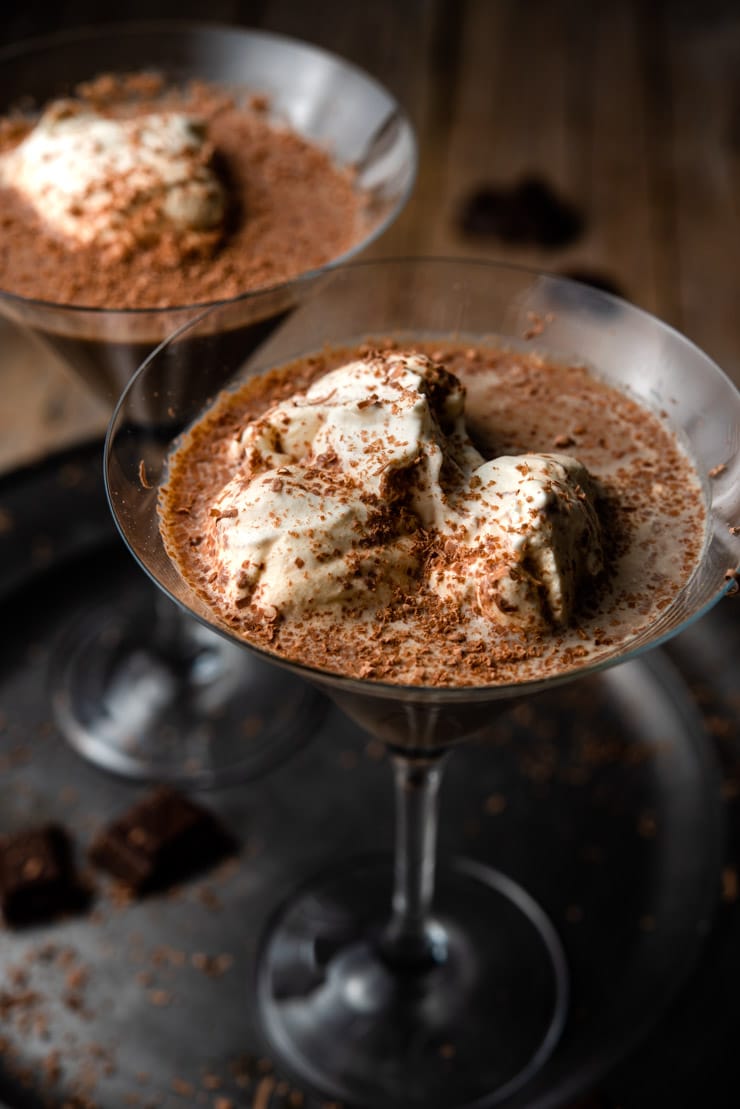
column 527, row 537
column 94, row 179
column 367, row 487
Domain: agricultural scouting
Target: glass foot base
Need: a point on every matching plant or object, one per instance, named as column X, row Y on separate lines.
column 185, row 707
column 466, row 1032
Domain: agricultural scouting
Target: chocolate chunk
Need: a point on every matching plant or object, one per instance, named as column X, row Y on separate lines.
column 528, row 212
column 37, row 876
column 163, row 839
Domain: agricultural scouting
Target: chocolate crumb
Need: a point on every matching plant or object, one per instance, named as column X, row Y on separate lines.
column 647, row 825
column 183, row 1088
column 160, row 998
column 730, row 886
column 495, row 804
column 263, row 1093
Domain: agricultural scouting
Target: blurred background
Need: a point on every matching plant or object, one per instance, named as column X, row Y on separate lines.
column 601, row 140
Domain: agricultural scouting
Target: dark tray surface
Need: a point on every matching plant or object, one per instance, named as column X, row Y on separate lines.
column 56, row 536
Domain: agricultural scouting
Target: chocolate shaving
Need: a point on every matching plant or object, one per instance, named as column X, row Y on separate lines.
column 143, row 479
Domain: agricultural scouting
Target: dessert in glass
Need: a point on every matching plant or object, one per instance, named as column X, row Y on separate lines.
column 145, row 171
column 440, row 486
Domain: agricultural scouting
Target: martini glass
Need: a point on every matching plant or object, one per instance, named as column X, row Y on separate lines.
column 396, row 982
column 135, row 688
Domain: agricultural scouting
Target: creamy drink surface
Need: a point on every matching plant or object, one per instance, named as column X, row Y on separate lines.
column 135, row 195
column 557, row 522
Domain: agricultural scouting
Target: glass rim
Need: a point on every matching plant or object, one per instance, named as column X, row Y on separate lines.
column 439, row 694
column 190, row 26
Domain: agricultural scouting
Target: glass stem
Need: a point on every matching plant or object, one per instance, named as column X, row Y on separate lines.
column 411, row 939
column 175, row 634
column 168, row 627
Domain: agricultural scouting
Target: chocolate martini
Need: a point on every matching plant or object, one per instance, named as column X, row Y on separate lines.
column 145, row 172
column 434, row 516
column 133, row 195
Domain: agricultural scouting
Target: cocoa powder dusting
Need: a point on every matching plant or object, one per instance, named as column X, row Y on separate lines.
column 291, row 209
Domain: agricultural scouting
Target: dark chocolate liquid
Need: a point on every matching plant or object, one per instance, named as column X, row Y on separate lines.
column 106, row 366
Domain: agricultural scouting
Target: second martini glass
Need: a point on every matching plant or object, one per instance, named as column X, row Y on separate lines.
column 141, row 691
column 396, row 982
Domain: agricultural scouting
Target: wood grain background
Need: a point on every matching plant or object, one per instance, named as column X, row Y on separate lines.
column 630, row 109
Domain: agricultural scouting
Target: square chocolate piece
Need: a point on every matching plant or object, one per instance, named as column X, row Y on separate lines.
column 37, row 876
column 161, row 840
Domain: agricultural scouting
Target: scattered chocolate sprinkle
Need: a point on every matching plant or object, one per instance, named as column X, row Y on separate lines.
column 160, row 998
column 183, row 1088
column 537, row 324
column 259, row 102
column 647, row 825
column 209, row 899
column 730, row 885
column 563, row 441
column 212, row 965
column 495, row 804
column 263, row 1093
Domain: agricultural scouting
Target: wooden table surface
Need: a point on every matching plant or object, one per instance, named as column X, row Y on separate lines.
column 629, row 110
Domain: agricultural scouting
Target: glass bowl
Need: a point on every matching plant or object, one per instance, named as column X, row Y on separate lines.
column 133, row 688
column 375, row 984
